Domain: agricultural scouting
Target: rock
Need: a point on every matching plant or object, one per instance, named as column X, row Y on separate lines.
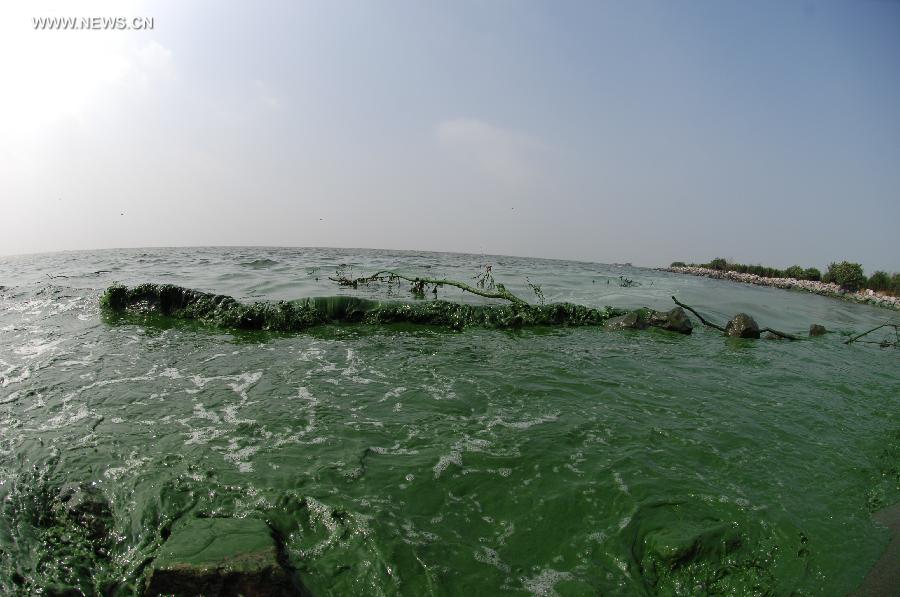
column 85, row 505
column 817, row 330
column 771, row 336
column 884, row 577
column 636, row 320
column 675, row 320
column 742, row 326
column 220, row 557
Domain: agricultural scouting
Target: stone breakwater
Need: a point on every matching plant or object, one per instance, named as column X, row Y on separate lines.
column 826, row 289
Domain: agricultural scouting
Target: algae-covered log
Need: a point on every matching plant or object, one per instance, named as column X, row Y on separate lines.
column 297, row 315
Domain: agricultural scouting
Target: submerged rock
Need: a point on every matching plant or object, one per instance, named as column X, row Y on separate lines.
column 85, row 505
column 742, row 326
column 675, row 320
column 220, row 557
column 884, row 577
column 817, row 330
column 635, row 320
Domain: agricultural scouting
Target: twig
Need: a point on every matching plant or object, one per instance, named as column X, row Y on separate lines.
column 883, row 325
column 386, row 275
column 777, row 333
column 96, row 273
column 700, row 317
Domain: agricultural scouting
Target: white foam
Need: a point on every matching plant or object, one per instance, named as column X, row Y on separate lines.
column 36, row 347
column 526, row 424
column 620, row 483
column 454, row 457
column 543, row 584
column 490, row 557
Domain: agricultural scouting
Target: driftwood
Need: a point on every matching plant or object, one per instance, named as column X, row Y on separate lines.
column 721, row 329
column 418, row 285
column 777, row 333
column 96, row 273
column 488, row 289
column 884, row 343
column 700, row 317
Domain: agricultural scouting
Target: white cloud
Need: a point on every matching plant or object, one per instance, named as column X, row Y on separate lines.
column 510, row 157
column 266, row 95
column 154, row 56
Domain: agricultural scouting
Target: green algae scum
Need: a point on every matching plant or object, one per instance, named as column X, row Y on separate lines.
column 231, row 421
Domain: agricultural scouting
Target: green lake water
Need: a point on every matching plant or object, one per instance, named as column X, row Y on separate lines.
column 412, row 460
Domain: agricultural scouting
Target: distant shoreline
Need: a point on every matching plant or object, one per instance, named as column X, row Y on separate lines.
column 868, row 297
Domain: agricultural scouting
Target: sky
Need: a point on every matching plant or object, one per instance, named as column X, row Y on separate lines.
column 626, row 131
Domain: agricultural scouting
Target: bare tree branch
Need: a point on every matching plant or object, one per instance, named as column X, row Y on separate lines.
column 500, row 291
column 700, row 317
column 721, row 329
column 883, row 325
column 777, row 333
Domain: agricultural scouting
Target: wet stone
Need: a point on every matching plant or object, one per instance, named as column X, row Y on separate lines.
column 817, row 330
column 742, row 326
column 681, row 543
column 220, row 557
column 675, row 320
column 634, row 320
column 85, row 505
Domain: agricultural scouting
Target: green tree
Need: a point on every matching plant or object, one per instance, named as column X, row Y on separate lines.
column 795, row 271
column 677, row 264
column 813, row 274
column 718, row 263
column 848, row 276
column 879, row 281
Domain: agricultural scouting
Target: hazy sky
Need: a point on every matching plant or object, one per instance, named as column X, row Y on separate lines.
column 604, row 131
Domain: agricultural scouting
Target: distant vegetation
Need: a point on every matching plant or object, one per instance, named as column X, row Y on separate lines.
column 847, row 275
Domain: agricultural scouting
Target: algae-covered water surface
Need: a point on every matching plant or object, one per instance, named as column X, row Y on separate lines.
column 398, row 458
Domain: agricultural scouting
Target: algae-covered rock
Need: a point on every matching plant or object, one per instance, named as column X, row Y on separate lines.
column 85, row 505
column 742, row 326
column 675, row 320
column 220, row 557
column 817, row 330
column 884, row 577
column 635, row 320
column 677, row 543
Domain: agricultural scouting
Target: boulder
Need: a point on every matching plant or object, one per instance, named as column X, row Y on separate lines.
column 817, row 330
column 635, row 320
column 220, row 557
column 742, row 326
column 675, row 320
column 771, row 336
